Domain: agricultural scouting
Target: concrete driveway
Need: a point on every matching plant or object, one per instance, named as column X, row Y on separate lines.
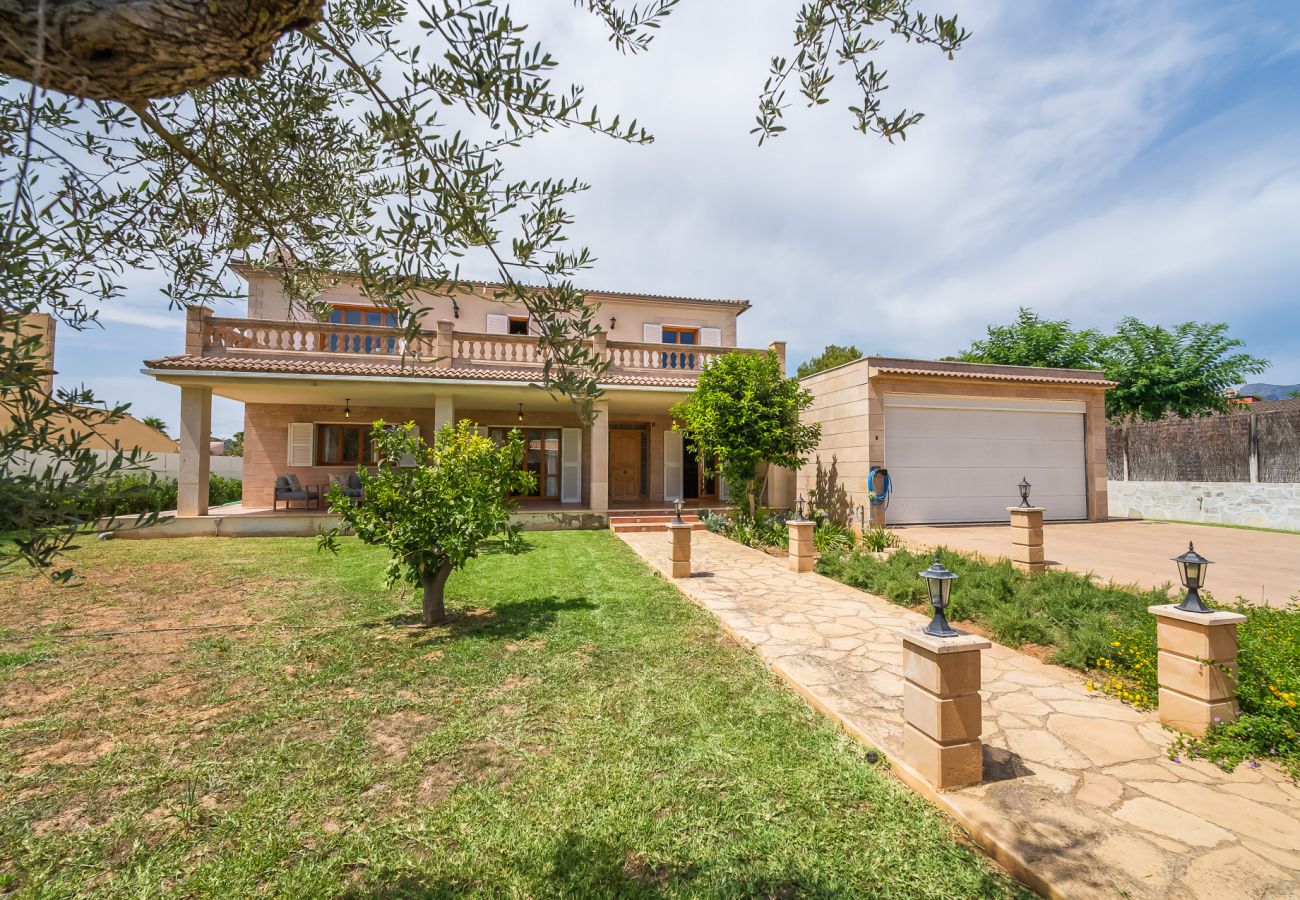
column 1257, row 565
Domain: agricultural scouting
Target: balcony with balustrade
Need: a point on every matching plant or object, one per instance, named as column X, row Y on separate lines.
column 319, row 347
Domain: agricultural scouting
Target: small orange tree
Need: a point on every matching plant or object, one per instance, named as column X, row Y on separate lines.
column 435, row 515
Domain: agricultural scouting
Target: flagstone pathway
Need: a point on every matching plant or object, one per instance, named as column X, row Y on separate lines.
column 1080, row 798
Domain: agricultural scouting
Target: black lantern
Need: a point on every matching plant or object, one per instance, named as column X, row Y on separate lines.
column 347, row 408
column 799, row 504
column 938, row 584
column 521, row 412
column 613, row 321
column 1024, row 491
column 678, row 504
column 1191, row 569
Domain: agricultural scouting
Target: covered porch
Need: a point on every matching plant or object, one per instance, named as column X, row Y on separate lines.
column 314, row 428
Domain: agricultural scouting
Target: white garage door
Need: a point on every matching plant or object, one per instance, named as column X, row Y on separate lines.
column 960, row 459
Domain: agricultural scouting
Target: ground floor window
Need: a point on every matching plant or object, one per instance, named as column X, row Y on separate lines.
column 343, row 445
column 541, row 458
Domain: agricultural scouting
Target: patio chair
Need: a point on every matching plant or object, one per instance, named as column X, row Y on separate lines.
column 350, row 485
column 289, row 488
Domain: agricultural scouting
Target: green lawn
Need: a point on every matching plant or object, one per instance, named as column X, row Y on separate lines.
column 579, row 730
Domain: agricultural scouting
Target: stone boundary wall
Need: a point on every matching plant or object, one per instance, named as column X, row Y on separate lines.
column 164, row 465
column 1223, row 503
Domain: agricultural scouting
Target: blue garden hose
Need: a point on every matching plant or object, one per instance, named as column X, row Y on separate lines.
column 882, row 496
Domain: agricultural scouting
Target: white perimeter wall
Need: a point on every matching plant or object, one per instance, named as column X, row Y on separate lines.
column 165, row 465
column 1214, row 502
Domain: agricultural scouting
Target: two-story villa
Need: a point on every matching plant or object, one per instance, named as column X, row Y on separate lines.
column 311, row 389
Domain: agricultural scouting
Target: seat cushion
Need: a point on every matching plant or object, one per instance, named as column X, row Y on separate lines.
column 293, row 482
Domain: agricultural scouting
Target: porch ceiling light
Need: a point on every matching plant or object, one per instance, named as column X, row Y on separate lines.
column 521, row 412
column 1024, row 491
column 938, row 584
column 347, row 408
column 1191, row 570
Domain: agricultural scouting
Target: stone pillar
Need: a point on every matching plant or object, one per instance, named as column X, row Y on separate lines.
column 600, row 457
column 681, row 551
column 196, row 321
column 1027, row 538
column 801, row 546
column 941, row 708
column 446, row 334
column 444, row 411
column 195, row 438
column 778, row 347
column 1196, row 667
column 598, row 345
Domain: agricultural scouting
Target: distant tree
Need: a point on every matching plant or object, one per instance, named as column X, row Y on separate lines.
column 155, row 423
column 435, row 515
column 744, row 413
column 1184, row 370
column 834, row 355
column 1158, row 371
column 1034, row 341
column 235, row 446
column 1294, row 395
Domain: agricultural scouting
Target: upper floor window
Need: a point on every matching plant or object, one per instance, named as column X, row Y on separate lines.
column 673, row 334
column 518, row 325
column 363, row 315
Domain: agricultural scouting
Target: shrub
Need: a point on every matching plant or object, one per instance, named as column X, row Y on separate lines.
column 137, row 493
column 768, row 529
column 1106, row 631
column 832, row 539
column 878, row 538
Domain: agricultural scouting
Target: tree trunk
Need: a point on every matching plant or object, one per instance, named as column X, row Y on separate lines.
column 434, row 582
column 137, row 50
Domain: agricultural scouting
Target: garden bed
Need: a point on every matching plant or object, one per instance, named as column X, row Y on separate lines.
column 1105, row 632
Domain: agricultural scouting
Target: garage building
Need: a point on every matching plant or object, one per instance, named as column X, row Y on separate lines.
column 956, row 438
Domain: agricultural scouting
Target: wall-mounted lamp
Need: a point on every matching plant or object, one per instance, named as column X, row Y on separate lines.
column 613, row 320
column 521, row 412
column 455, row 309
column 347, row 408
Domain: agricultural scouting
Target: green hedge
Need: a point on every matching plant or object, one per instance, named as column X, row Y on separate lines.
column 140, row 493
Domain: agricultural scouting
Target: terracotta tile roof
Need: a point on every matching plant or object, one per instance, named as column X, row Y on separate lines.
column 244, row 268
column 306, row 367
column 985, row 372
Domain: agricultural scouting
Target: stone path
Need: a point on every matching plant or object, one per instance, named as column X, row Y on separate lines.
column 1080, row 798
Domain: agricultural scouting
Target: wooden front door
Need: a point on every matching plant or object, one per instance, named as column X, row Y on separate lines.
column 625, row 464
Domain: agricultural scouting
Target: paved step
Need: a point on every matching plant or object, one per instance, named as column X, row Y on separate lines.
column 635, row 527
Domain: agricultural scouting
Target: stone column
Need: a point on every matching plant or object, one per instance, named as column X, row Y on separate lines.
column 599, row 345
column 941, row 708
column 681, row 551
column 778, row 347
column 1196, row 667
column 195, row 461
column 801, row 547
column 444, row 411
column 600, row 457
column 195, row 323
column 446, row 334
column 1027, row 538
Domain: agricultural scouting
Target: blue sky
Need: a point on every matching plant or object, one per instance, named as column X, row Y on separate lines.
column 1088, row 160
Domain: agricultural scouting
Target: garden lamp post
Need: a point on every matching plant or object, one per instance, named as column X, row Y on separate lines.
column 677, row 505
column 938, row 584
column 1191, row 569
column 1024, row 491
column 799, row 504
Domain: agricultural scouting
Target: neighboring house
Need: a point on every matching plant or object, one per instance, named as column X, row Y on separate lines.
column 124, row 434
column 311, row 390
column 955, row 439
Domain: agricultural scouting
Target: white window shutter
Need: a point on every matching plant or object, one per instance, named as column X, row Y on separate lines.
column 302, row 443
column 482, row 430
column 498, row 324
column 673, row 454
column 570, row 465
column 407, row 458
column 652, row 334
column 710, row 337
column 724, row 489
